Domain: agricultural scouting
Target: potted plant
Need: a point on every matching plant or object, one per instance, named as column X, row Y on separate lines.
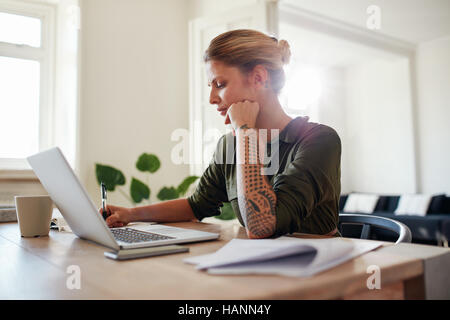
column 147, row 163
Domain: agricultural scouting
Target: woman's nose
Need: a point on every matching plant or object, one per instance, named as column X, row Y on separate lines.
column 213, row 97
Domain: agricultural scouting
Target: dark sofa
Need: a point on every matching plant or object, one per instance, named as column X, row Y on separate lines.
column 433, row 228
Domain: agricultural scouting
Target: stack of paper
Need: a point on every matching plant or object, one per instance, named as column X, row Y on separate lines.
column 283, row 256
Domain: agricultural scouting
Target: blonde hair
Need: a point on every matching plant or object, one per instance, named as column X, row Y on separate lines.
column 246, row 48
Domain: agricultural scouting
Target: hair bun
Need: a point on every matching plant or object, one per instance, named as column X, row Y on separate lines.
column 285, row 51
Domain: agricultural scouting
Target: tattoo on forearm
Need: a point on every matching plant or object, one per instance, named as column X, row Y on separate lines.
column 270, row 197
column 257, row 200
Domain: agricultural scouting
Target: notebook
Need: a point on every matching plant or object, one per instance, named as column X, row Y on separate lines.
column 286, row 256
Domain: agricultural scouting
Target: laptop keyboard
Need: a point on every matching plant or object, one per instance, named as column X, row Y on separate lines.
column 132, row 235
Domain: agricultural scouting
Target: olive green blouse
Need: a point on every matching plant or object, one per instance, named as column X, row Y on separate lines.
column 306, row 181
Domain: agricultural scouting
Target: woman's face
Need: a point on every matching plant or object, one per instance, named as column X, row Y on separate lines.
column 228, row 85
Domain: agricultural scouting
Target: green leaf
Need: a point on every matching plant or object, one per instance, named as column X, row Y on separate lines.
column 184, row 186
column 110, row 176
column 227, row 212
column 148, row 162
column 167, row 193
column 139, row 190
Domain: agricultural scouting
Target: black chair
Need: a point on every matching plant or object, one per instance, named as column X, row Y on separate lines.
column 371, row 223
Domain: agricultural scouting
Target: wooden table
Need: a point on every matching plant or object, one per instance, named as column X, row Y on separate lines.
column 36, row 268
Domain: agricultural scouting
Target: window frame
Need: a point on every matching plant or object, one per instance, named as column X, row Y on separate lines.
column 45, row 55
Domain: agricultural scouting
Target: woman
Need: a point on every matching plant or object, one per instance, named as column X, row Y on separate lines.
column 301, row 194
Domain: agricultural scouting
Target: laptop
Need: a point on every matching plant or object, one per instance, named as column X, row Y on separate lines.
column 82, row 216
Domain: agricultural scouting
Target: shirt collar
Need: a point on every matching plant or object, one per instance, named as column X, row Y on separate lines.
column 292, row 131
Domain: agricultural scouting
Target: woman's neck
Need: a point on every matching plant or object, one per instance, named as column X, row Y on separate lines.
column 272, row 115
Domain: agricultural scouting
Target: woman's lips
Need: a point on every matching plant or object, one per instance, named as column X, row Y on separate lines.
column 223, row 112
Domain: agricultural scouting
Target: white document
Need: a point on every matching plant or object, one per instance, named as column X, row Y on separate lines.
column 283, row 256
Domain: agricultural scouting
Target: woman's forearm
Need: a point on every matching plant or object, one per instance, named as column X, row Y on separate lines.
column 256, row 197
column 166, row 211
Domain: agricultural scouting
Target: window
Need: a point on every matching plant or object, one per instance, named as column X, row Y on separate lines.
column 19, row 118
column 303, row 101
column 38, row 51
column 20, row 29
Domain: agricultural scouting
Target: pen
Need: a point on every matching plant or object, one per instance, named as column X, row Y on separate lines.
column 103, row 190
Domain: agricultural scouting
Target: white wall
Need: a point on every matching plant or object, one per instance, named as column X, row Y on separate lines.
column 379, row 134
column 332, row 112
column 433, row 74
column 369, row 106
column 134, row 88
column 201, row 8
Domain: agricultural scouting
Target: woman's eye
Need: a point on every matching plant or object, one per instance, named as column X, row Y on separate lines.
column 220, row 85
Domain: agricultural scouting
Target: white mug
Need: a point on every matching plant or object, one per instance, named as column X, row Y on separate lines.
column 34, row 214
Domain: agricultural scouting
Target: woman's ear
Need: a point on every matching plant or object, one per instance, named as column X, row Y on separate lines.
column 259, row 77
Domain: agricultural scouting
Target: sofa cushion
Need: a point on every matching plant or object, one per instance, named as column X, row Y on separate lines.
column 437, row 204
column 413, row 204
column 392, row 203
column 446, row 205
column 360, row 202
column 342, row 200
column 381, row 204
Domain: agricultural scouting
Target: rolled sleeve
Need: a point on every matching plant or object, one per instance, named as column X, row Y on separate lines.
column 210, row 192
column 310, row 180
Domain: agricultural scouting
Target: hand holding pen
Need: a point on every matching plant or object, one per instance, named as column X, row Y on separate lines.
column 115, row 216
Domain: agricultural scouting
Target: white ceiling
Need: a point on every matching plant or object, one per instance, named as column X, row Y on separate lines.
column 414, row 21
